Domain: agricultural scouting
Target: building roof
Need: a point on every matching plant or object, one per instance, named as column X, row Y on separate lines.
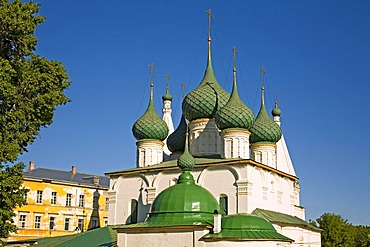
column 284, row 219
column 246, row 227
column 199, row 162
column 99, row 237
column 65, row 176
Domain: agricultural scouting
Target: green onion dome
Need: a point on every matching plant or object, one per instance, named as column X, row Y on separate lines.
column 184, row 203
column 264, row 130
column 167, row 96
column 248, row 227
column 206, row 99
column 176, row 141
column 276, row 111
column 235, row 114
column 150, row 125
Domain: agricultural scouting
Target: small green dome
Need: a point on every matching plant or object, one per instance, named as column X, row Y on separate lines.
column 150, row 125
column 186, row 161
column 264, row 130
column 276, row 111
column 235, row 114
column 167, row 96
column 176, row 141
column 184, row 203
column 206, row 99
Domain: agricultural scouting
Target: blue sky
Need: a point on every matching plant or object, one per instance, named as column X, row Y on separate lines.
column 316, row 55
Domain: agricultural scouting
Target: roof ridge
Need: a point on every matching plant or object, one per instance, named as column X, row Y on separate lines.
column 52, row 169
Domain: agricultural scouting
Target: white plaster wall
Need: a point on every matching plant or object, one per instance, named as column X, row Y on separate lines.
column 302, row 237
column 247, row 244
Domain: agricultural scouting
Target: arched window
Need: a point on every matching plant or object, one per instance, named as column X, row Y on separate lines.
column 134, row 210
column 223, row 204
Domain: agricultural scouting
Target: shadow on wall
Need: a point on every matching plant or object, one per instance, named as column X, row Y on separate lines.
column 137, row 206
column 95, row 217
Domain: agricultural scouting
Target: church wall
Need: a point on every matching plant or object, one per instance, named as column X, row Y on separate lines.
column 162, row 239
column 302, row 237
column 247, row 244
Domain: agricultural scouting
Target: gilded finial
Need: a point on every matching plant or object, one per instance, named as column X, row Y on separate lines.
column 182, row 90
column 210, row 17
column 263, row 84
column 152, row 68
column 234, row 69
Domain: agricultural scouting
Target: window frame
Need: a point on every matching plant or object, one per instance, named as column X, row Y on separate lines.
column 66, row 224
column 37, row 224
column 68, row 200
column 52, row 223
column 22, row 223
column 81, row 201
column 53, row 200
column 39, row 197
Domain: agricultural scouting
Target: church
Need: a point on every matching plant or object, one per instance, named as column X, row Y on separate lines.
column 223, row 177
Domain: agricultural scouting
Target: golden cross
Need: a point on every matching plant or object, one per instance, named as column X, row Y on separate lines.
column 235, row 52
column 182, row 90
column 167, row 80
column 210, row 16
column 263, row 77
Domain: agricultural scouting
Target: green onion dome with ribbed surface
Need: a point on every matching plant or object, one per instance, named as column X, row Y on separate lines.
column 246, row 226
column 264, row 130
column 184, row 203
column 235, row 114
column 276, row 111
column 150, row 125
column 207, row 98
column 176, row 141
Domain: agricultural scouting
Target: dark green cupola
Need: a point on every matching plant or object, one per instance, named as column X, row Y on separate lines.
column 234, row 114
column 150, row 125
column 176, row 141
column 264, row 130
column 209, row 96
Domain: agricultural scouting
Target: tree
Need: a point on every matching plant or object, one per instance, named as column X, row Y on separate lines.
column 337, row 231
column 31, row 87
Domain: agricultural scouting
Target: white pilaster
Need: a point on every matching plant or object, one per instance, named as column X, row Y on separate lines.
column 235, row 143
column 204, row 138
column 168, row 119
column 264, row 153
column 149, row 152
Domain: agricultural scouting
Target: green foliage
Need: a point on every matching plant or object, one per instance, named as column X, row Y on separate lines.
column 31, row 87
column 339, row 232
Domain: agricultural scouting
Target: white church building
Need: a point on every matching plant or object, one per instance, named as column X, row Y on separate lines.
column 223, row 177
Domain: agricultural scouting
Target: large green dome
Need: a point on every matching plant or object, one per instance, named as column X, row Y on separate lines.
column 184, row 203
column 150, row 125
column 176, row 141
column 206, row 99
column 265, row 130
column 235, row 114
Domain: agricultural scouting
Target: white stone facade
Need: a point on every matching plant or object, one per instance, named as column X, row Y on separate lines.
column 149, row 152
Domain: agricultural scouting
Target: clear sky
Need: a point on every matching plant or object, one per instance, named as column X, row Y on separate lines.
column 316, row 55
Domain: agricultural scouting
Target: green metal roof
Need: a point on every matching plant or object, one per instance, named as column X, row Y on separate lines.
column 150, row 125
column 234, row 114
column 265, row 130
column 98, row 237
column 283, row 219
column 167, row 96
column 246, row 227
column 176, row 141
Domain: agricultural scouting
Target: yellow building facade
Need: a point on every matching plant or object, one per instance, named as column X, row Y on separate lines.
column 61, row 203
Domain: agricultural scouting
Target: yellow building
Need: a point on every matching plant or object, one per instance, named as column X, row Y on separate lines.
column 61, row 203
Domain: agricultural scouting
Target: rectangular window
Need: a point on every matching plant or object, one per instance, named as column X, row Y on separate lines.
column 22, row 221
column 81, row 201
column 25, row 197
column 106, row 203
column 80, row 224
column 68, row 200
column 51, row 222
column 37, row 221
column 66, row 224
column 53, row 200
column 39, row 196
